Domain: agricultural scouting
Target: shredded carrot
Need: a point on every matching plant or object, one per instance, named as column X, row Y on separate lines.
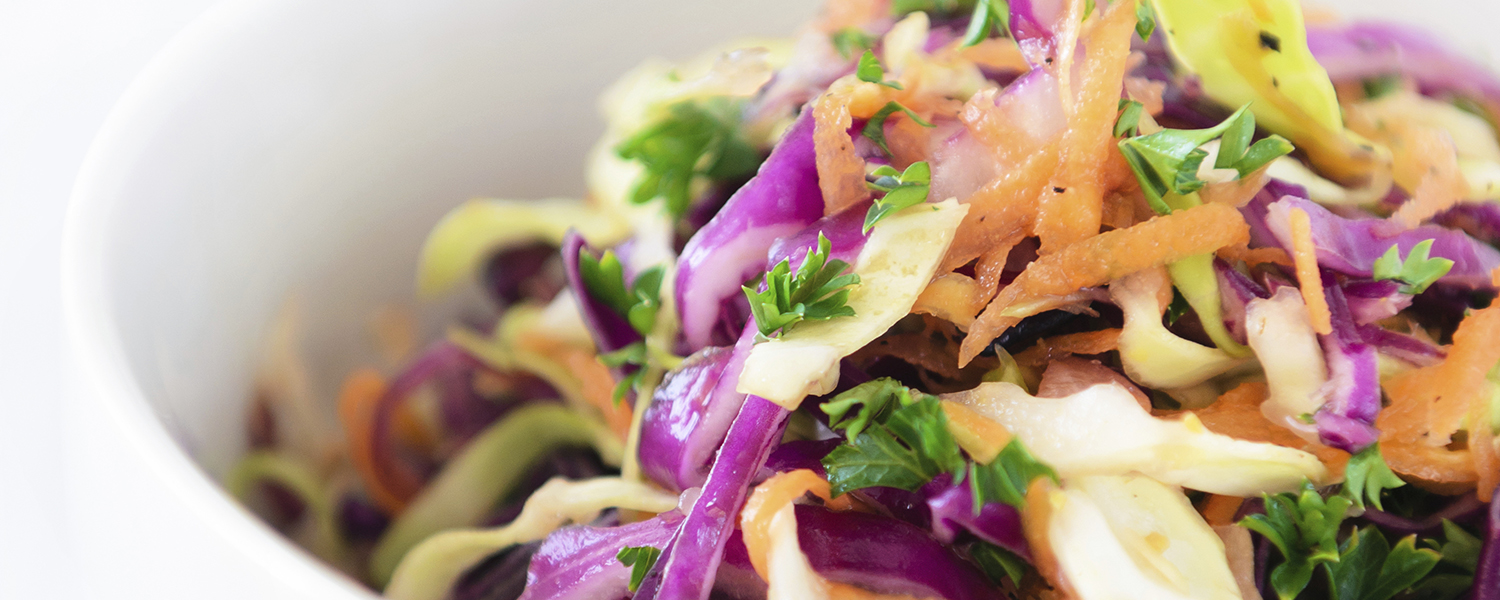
column 1087, row 342
column 908, row 141
column 1308, row 278
column 1429, row 404
column 1104, row 258
column 1434, row 468
column 411, row 430
column 358, row 398
column 1237, row 414
column 1495, row 277
column 983, row 438
column 990, row 268
column 841, row 172
column 1074, row 209
column 1238, row 192
column 1486, row 463
column 842, row 14
column 953, row 297
column 598, row 388
column 1004, row 209
column 1219, row 510
column 1146, row 91
column 1441, row 185
column 1036, row 519
column 998, row 54
column 1255, row 256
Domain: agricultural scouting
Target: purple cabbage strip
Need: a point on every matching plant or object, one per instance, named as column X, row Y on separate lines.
column 1236, row 292
column 1404, row 347
column 1487, row 574
column 1371, row 301
column 1365, row 50
column 845, row 240
column 687, row 566
column 688, row 417
column 1031, row 24
column 360, row 520
column 438, row 359
column 1346, row 420
column 1255, row 212
column 1481, row 220
column 886, row 555
column 1351, row 246
column 578, row 563
column 952, row 509
column 781, row 199
column 901, row 504
column 1467, row 509
column 610, row 330
column 799, row 454
column 737, row 579
column 523, row 272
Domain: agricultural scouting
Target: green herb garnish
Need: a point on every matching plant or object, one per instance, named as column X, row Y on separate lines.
column 1369, row 568
column 905, row 450
column 1416, row 272
column 907, row 188
column 1007, row 477
column 1129, row 122
column 870, row 71
column 988, row 16
column 693, row 141
column 818, row 291
column 1145, row 20
column 875, row 127
column 1304, row 527
column 851, row 40
column 640, row 559
column 1366, row 475
column 1167, row 161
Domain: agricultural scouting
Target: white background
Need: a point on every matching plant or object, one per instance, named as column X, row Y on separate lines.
column 63, row 64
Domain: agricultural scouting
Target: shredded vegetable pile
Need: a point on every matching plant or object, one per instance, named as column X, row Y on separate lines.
column 954, row 299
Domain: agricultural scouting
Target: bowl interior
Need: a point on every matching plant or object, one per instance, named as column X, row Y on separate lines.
column 305, row 147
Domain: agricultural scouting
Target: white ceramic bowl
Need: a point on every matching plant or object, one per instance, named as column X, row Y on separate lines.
column 307, row 145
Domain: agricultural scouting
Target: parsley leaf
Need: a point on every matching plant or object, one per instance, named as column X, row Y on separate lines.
column 817, row 291
column 988, row 14
column 908, row 188
column 1167, row 161
column 640, row 559
column 1176, row 309
column 870, row 71
column 633, row 355
column 1461, row 548
column 931, row 7
column 1304, row 527
column 998, row 564
column 604, row 278
column 905, row 451
column 875, row 399
column 1145, row 21
column 1380, row 86
column 1366, row 475
column 850, row 40
column 1129, row 122
column 875, row 127
column 1416, row 272
column 1368, row 568
column 1007, row 477
column 694, row 140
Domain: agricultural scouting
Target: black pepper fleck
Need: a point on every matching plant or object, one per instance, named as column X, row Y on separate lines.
column 1059, row 190
column 1270, row 42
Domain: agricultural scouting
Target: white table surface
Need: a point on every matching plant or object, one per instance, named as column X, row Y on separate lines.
column 63, row 64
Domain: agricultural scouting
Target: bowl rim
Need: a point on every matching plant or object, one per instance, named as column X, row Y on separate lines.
column 95, row 350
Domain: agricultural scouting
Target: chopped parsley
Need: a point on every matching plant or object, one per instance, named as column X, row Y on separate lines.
column 1007, row 477
column 850, row 41
column 604, row 280
column 1176, row 309
column 1415, row 273
column 1145, row 20
column 1369, row 568
column 818, row 291
column 931, row 7
column 988, row 16
column 640, row 559
column 1167, row 161
column 1366, row 475
column 1129, row 122
column 693, row 141
column 875, row 127
column 907, row 188
column 898, row 437
column 1304, row 527
column 998, row 564
column 870, row 71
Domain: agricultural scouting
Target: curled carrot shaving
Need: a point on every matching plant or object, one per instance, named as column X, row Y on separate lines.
column 1429, row 404
column 1219, row 510
column 1441, row 185
column 953, row 297
column 1104, row 258
column 1087, row 342
column 1004, row 209
column 1238, row 192
column 841, row 172
column 983, row 438
column 1486, row 463
column 1434, row 468
column 1237, row 414
column 358, row 399
column 1074, row 211
column 1495, row 277
column 1255, row 256
column 598, row 388
column 1308, row 277
column 997, row 54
